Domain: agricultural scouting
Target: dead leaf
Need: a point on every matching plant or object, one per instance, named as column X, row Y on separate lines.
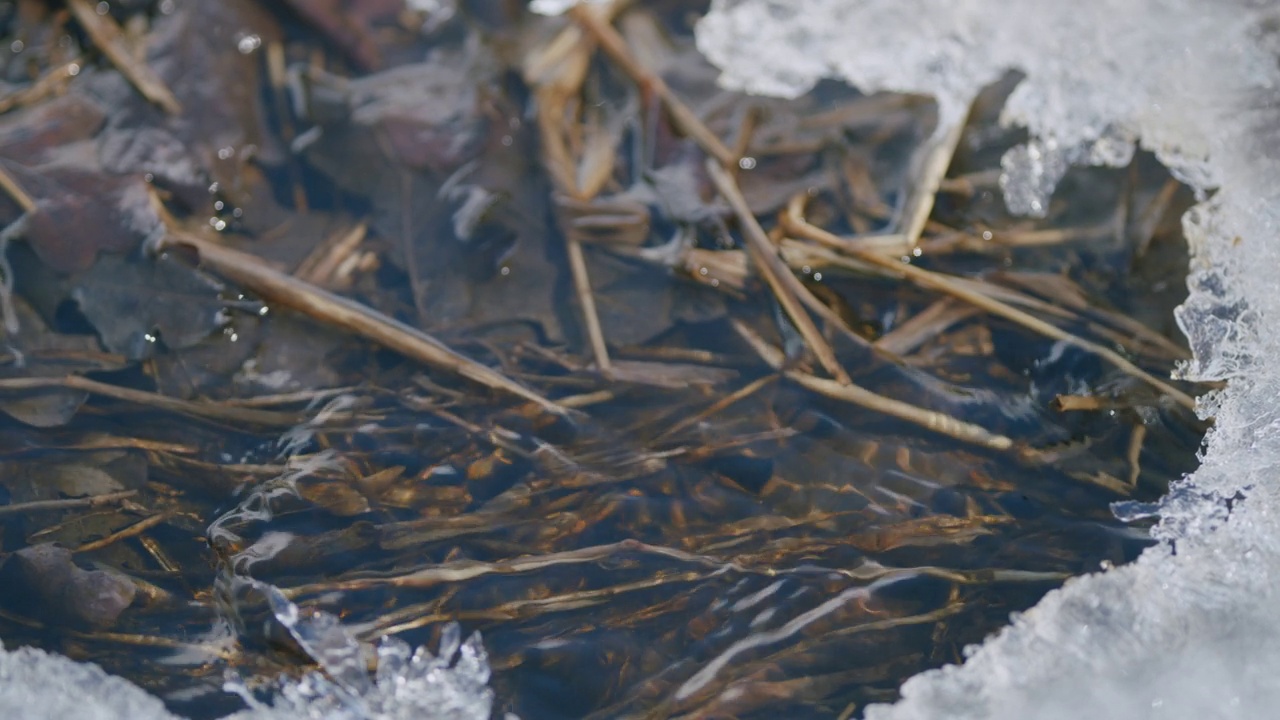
column 31, row 135
column 36, row 351
column 135, row 303
column 81, row 212
column 223, row 124
column 41, row 581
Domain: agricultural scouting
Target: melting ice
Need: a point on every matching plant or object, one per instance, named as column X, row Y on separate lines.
column 1192, row 629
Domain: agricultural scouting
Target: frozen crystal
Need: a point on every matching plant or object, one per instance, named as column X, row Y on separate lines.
column 450, row 684
column 1192, row 628
column 35, row 685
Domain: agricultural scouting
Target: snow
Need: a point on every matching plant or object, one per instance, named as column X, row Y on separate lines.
column 1188, row 634
column 38, row 686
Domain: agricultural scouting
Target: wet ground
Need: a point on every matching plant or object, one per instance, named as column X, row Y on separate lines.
column 668, row 465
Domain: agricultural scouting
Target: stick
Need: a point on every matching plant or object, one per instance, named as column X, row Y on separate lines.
column 251, row 273
column 107, row 36
column 156, row 400
column 719, row 405
column 50, row 82
column 14, row 190
column 552, row 93
column 132, row 531
column 45, row 505
column 683, row 118
column 785, row 286
column 933, row 168
column 857, row 395
column 793, row 219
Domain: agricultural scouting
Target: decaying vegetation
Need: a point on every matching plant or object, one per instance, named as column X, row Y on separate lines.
column 695, row 404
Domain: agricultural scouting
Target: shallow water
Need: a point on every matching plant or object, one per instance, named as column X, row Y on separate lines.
column 786, row 555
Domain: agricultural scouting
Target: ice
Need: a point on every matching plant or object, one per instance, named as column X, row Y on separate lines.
column 35, row 685
column 450, row 684
column 1192, row 629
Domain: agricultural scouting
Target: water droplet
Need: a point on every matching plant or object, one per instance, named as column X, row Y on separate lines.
column 986, row 235
column 506, row 271
column 103, row 8
column 73, row 69
column 225, row 153
column 817, row 277
column 702, row 272
column 248, row 44
column 17, row 46
column 747, row 163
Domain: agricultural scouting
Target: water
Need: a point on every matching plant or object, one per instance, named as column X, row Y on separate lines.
column 786, row 555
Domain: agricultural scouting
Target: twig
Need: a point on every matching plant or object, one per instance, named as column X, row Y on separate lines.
column 320, row 266
column 1078, row 403
column 718, row 406
column 50, row 82
column 793, row 218
column 587, row 301
column 107, row 36
column 73, row 503
column 1151, row 216
column 933, row 321
column 163, row 402
column 14, row 190
column 556, row 82
column 463, row 570
column 857, row 395
column 932, row 169
column 785, row 286
column 132, row 531
column 275, row 62
column 1134, row 452
column 251, row 273
column 684, row 118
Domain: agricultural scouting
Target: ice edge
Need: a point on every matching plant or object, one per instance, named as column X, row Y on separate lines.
column 1188, row 634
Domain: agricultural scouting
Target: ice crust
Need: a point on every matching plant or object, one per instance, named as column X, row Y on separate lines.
column 1192, row 629
column 35, row 685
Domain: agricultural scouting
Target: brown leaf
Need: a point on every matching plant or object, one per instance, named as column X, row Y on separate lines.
column 36, row 351
column 81, row 212
column 43, row 582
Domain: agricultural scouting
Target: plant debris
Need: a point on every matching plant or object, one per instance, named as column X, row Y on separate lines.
column 430, row 316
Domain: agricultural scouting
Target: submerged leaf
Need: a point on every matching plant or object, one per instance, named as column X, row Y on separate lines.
column 134, row 303
column 44, row 582
column 37, row 351
column 80, row 212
